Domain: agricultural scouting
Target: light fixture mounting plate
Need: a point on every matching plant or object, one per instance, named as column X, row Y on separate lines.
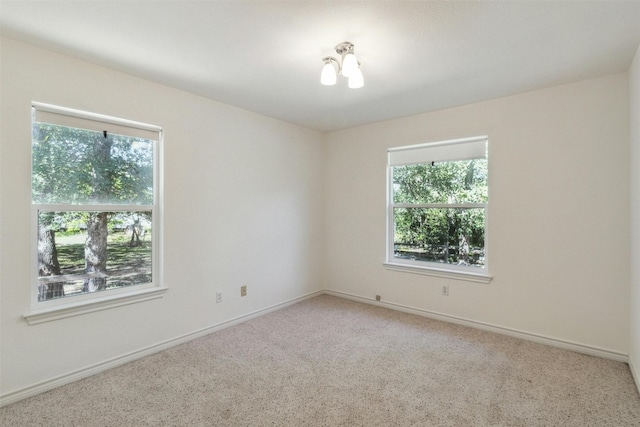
column 344, row 47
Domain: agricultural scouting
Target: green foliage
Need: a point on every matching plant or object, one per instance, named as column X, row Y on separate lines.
column 440, row 231
column 121, row 255
column 129, row 265
column 79, row 166
column 453, row 182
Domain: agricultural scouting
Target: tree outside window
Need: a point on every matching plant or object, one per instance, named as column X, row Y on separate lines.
column 437, row 205
column 94, row 201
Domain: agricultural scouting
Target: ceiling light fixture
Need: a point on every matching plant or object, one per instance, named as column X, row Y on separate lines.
column 348, row 67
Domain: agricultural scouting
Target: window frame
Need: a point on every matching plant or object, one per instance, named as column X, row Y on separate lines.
column 451, row 271
column 58, row 308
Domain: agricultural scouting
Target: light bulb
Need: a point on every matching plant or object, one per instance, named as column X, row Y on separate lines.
column 328, row 76
column 349, row 64
column 356, row 80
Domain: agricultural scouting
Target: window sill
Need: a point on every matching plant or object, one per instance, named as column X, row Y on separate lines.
column 439, row 272
column 33, row 317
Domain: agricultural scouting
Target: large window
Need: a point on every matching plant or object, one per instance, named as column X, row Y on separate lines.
column 95, row 204
column 437, row 208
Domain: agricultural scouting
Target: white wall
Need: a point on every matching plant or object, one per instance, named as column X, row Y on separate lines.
column 634, row 133
column 558, row 216
column 243, row 205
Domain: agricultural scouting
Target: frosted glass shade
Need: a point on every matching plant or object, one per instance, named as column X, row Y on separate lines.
column 349, row 64
column 356, row 80
column 328, row 76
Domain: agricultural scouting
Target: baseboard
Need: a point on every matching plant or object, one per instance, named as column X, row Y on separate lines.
column 541, row 339
column 138, row 354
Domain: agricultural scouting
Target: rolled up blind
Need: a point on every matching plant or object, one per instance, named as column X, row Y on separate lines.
column 46, row 113
column 458, row 149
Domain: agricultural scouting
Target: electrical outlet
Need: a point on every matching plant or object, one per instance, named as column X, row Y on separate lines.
column 218, row 296
column 445, row 290
column 377, row 297
column 243, row 290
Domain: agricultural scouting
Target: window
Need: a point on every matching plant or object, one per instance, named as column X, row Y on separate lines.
column 437, row 209
column 95, row 209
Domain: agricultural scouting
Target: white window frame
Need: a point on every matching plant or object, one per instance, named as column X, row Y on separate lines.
column 450, row 150
column 43, row 311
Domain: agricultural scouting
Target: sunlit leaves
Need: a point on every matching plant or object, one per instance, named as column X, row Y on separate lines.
column 79, row 166
column 444, row 182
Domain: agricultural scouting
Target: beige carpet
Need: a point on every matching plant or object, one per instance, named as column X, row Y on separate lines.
column 333, row 362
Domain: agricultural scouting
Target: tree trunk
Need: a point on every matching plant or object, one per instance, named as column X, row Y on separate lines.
column 95, row 251
column 463, row 250
column 446, row 250
column 102, row 179
column 135, row 234
column 95, row 247
column 48, row 264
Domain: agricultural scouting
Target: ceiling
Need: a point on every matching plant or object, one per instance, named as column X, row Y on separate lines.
column 265, row 56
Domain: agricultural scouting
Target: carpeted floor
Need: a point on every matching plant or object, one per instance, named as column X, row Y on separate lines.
column 328, row 361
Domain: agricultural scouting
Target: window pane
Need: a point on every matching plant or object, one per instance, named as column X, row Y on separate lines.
column 449, row 235
column 463, row 181
column 71, row 261
column 79, row 166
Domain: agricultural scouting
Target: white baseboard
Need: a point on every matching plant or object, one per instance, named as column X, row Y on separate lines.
column 541, row 339
column 138, row 354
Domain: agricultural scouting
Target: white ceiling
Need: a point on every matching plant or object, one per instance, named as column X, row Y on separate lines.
column 265, row 56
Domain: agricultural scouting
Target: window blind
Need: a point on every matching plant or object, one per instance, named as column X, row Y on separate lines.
column 459, row 149
column 45, row 113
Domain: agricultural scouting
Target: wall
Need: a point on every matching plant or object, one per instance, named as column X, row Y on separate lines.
column 243, row 206
column 558, row 217
column 634, row 133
